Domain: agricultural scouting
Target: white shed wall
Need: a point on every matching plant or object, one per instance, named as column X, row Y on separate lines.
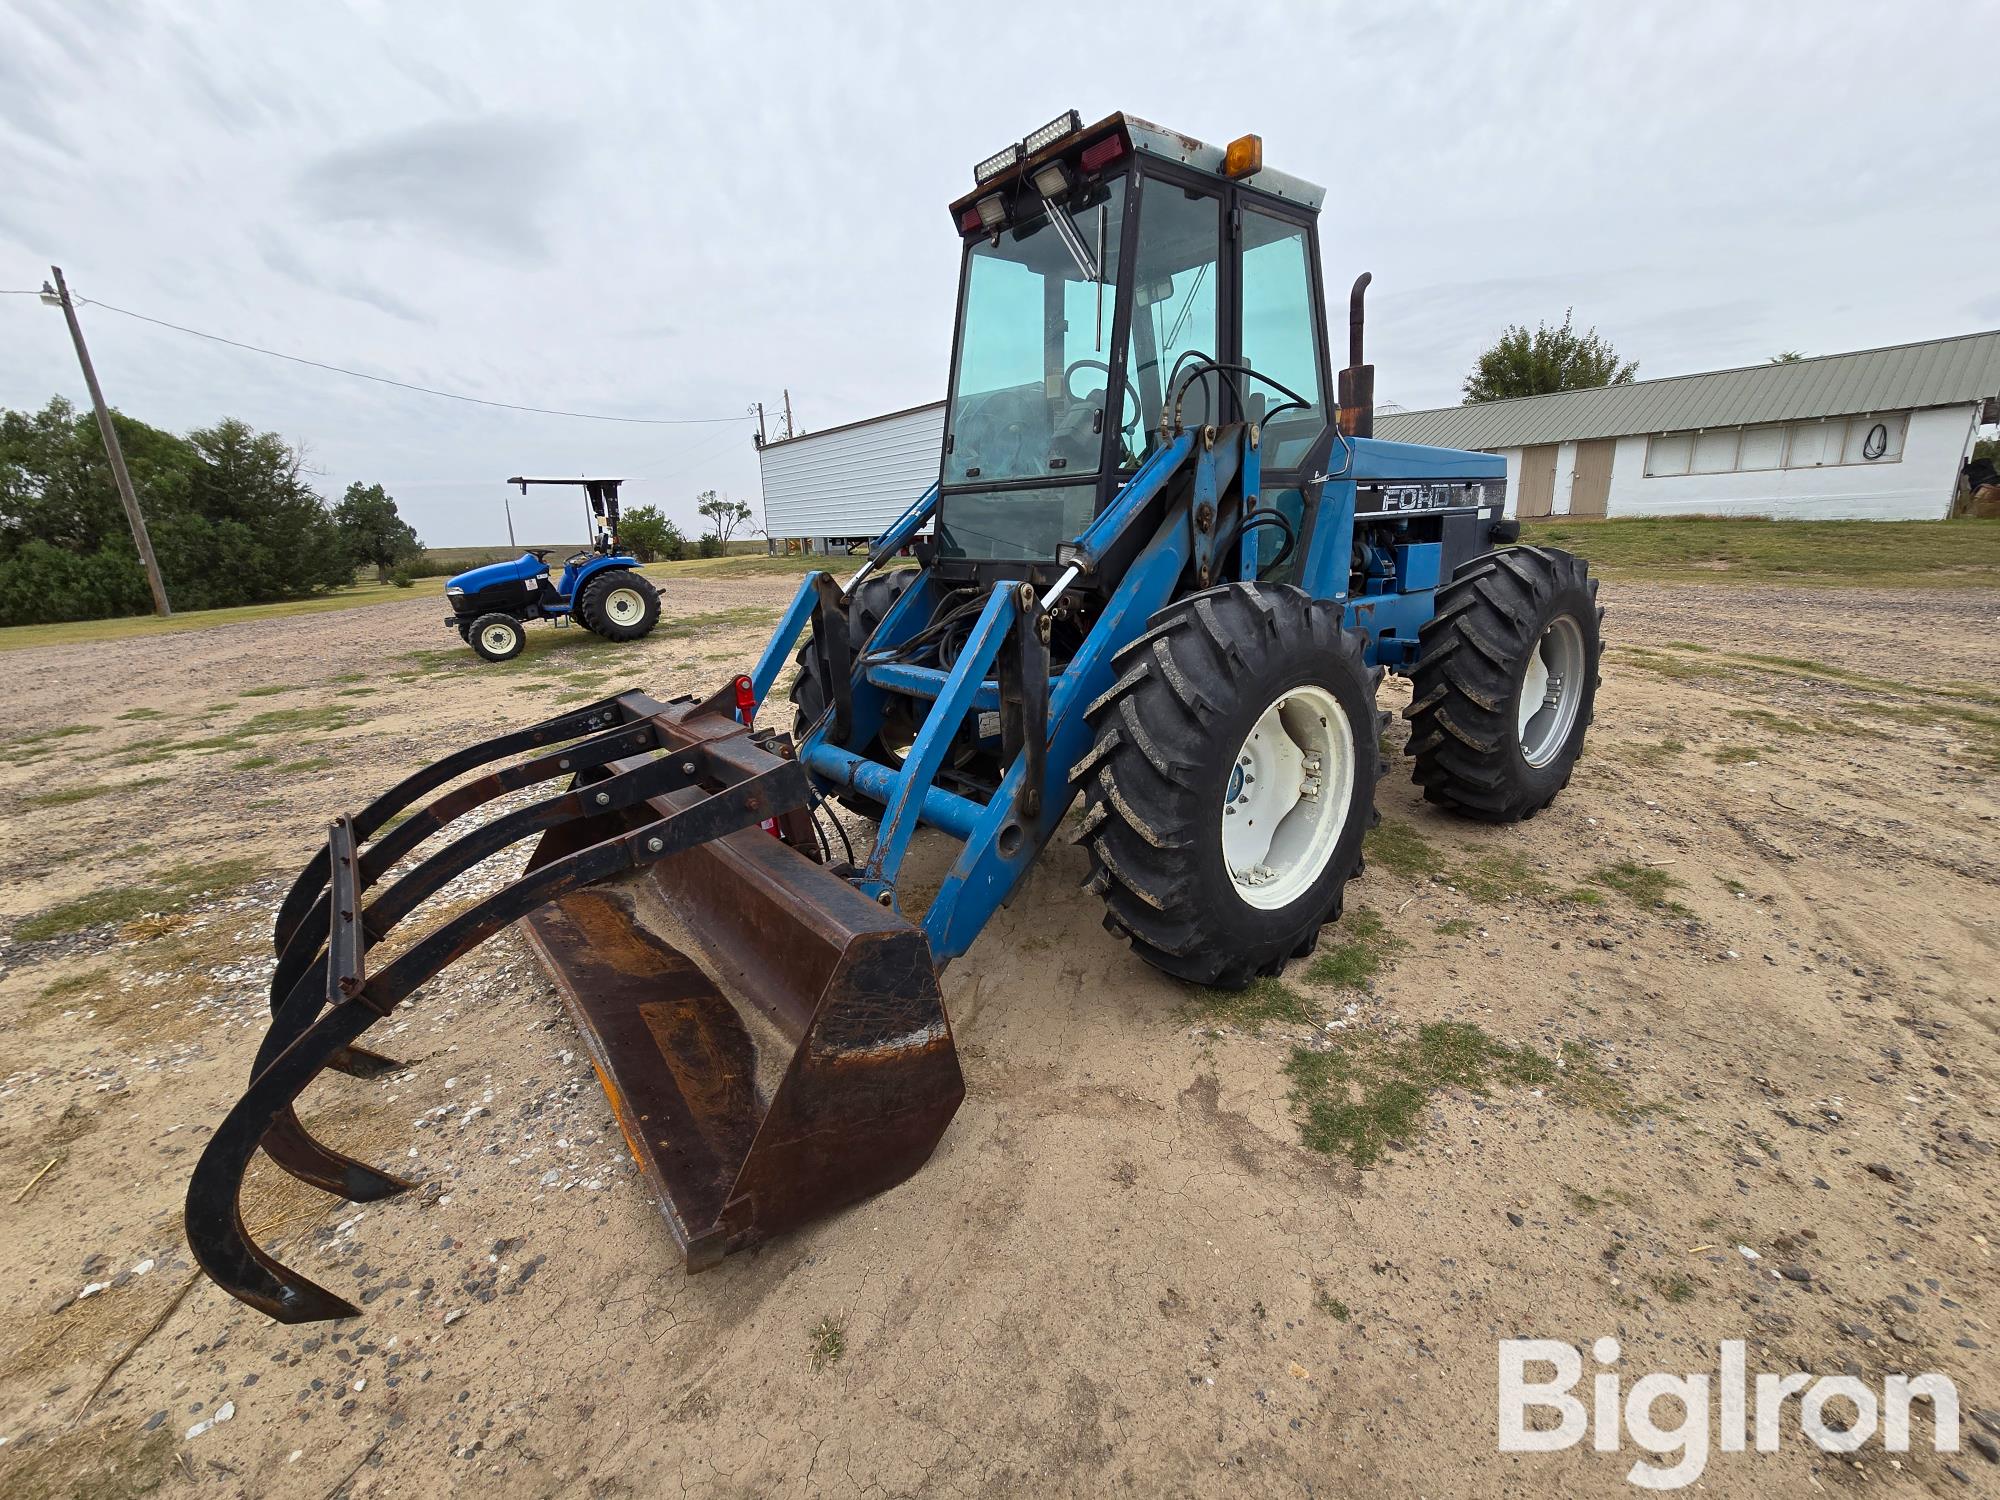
column 851, row 481
column 1916, row 487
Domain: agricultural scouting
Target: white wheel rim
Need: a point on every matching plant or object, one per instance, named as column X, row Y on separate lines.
column 1550, row 688
column 1287, row 797
column 497, row 639
column 624, row 606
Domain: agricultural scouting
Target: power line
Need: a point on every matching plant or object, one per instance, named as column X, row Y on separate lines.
column 544, row 411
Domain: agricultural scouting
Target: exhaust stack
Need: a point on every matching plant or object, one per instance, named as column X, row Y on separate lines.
column 1357, row 381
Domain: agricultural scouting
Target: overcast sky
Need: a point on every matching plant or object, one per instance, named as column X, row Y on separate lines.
column 675, row 210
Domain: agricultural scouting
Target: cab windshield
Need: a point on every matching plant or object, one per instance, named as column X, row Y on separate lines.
column 1029, row 412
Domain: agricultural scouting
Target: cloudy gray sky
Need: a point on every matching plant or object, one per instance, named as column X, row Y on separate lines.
column 674, row 210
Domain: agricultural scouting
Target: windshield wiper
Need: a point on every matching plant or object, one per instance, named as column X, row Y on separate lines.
column 1066, row 231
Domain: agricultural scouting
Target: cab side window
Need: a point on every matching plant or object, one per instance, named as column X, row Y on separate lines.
column 1279, row 322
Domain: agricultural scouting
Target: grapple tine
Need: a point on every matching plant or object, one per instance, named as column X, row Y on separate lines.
column 296, row 951
column 214, row 1215
column 608, row 828
column 288, row 1143
column 305, row 890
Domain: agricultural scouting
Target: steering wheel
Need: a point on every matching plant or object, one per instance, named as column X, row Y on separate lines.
column 539, row 554
column 1131, row 390
column 576, row 559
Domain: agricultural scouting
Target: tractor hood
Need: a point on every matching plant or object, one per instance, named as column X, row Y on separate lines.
column 515, row 571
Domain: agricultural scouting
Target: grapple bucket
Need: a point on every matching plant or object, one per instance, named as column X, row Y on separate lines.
column 805, row 1062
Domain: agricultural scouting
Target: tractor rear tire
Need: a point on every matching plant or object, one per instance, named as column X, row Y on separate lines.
column 1505, row 683
column 496, row 637
column 1235, row 683
column 620, row 605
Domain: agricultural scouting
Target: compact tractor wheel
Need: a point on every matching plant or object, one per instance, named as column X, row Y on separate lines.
column 871, row 603
column 620, row 605
column 1231, row 781
column 497, row 637
column 1505, row 683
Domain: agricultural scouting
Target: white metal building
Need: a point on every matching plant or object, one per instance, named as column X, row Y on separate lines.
column 846, row 484
column 1875, row 435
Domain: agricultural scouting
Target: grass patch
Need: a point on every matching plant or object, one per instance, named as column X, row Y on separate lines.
column 827, row 1342
column 318, row 718
column 71, row 632
column 1331, row 1305
column 1496, row 875
column 1645, row 885
column 135, row 715
column 1732, row 885
column 1671, row 667
column 171, row 888
column 1708, row 549
column 1401, row 850
column 1366, row 1090
column 63, row 796
column 1249, row 1008
column 1738, row 755
column 1354, row 962
column 72, row 985
column 1653, row 754
column 265, row 692
column 1675, row 1287
column 1454, row 927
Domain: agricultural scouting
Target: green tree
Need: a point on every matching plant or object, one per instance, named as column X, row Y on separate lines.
column 372, row 530
column 650, row 536
column 231, row 518
column 724, row 514
column 1521, row 363
column 1786, row 357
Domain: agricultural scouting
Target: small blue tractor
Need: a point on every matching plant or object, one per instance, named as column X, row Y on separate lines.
column 1160, row 578
column 600, row 586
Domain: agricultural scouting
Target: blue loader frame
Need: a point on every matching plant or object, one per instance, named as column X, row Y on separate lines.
column 996, row 669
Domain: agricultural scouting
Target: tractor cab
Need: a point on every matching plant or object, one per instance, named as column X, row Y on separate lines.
column 1121, row 282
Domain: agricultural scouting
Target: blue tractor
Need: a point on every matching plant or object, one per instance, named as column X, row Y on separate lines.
column 1161, row 575
column 600, row 586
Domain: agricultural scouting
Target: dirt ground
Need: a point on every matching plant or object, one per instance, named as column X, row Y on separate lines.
column 1761, row 925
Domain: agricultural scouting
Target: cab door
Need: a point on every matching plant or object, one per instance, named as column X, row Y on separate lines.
column 1279, row 330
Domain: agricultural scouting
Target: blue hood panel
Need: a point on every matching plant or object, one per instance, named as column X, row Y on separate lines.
column 475, row 579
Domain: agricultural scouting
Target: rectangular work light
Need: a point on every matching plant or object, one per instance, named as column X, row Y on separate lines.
column 1066, row 123
column 995, row 164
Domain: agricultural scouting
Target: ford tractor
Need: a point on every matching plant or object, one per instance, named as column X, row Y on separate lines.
column 1161, row 574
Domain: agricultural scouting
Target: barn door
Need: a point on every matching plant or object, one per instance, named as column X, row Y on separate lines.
column 1538, row 482
column 1590, row 480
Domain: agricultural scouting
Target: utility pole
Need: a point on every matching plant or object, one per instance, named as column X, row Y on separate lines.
column 510, row 523
column 758, row 407
column 58, row 296
column 788, row 414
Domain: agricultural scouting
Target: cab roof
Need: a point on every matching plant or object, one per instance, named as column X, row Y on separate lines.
column 1148, row 139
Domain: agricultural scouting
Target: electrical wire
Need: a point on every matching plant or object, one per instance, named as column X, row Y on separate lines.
column 543, row 411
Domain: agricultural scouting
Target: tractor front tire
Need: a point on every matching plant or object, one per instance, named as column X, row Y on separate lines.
column 620, row 605
column 1505, row 683
column 1230, row 782
column 496, row 637
column 871, row 603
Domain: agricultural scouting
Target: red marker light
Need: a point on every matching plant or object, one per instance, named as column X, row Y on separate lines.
column 746, row 709
column 968, row 221
column 1103, row 153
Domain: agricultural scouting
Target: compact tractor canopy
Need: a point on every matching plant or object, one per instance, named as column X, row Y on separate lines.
column 1160, row 577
